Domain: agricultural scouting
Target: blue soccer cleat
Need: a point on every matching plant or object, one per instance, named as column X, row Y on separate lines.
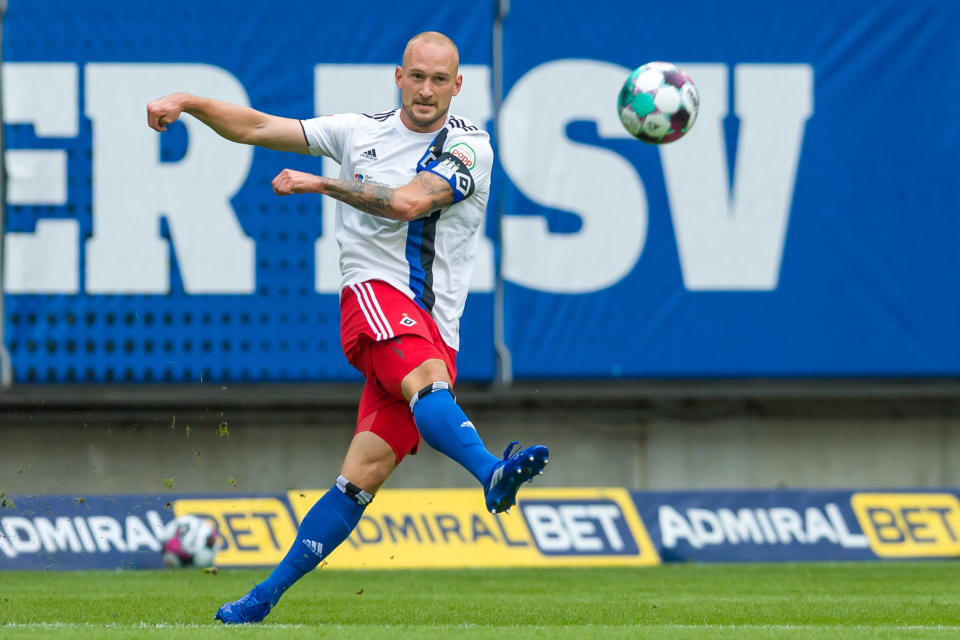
column 250, row 608
column 501, row 489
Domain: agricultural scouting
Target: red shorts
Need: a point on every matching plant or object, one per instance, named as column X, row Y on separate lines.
column 385, row 336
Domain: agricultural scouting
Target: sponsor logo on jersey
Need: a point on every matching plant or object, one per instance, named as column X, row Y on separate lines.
column 909, row 525
column 368, row 179
column 369, row 154
column 465, row 154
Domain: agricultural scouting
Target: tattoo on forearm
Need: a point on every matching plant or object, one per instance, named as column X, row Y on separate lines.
column 382, row 201
column 369, row 198
column 437, row 189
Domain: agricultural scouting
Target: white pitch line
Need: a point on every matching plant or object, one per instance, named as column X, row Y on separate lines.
column 814, row 627
column 692, row 627
column 141, row 625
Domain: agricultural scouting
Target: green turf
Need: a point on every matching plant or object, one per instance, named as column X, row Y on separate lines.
column 843, row 600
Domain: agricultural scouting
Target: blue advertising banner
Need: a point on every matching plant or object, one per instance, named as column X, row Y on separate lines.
column 806, row 226
column 765, row 526
column 74, row 532
column 139, row 257
column 437, row 528
column 798, row 525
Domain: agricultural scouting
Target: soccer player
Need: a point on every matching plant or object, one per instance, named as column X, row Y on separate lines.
column 413, row 186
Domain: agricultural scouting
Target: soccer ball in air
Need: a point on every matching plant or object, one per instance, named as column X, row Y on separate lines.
column 190, row 541
column 658, row 103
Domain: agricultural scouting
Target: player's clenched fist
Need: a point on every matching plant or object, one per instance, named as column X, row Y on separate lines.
column 163, row 111
column 289, row 181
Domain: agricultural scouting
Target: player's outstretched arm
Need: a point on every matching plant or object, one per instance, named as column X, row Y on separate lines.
column 233, row 122
column 426, row 193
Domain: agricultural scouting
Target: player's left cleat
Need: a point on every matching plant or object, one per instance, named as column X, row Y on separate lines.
column 516, row 468
column 250, row 608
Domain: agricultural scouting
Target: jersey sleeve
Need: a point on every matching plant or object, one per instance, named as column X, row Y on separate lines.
column 466, row 164
column 327, row 135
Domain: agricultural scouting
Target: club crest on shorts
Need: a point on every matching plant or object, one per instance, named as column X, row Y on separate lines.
column 407, row 321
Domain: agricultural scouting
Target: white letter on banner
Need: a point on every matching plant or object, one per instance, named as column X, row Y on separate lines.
column 847, row 540
column 43, row 94
column 673, row 527
column 581, row 530
column 106, row 531
column 599, row 186
column 84, row 532
column 769, row 534
column 156, row 523
column 706, row 526
column 607, row 515
column 5, row 547
column 368, row 88
column 740, row 526
column 818, row 527
column 59, row 536
column 735, row 241
column 138, row 535
column 547, row 528
column 788, row 524
column 132, row 188
column 13, row 526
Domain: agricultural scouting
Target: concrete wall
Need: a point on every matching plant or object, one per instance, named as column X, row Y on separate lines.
column 131, row 441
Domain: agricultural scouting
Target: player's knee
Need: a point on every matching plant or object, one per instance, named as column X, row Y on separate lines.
column 391, row 365
column 426, row 373
column 433, row 387
column 361, row 496
column 369, row 462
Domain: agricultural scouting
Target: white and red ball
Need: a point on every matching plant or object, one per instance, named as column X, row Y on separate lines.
column 190, row 541
column 658, row 103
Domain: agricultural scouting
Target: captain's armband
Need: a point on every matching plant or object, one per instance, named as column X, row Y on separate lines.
column 456, row 173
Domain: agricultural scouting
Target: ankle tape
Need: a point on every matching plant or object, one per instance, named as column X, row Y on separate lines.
column 427, row 390
column 355, row 493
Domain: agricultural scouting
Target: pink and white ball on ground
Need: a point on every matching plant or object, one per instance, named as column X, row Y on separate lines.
column 190, row 541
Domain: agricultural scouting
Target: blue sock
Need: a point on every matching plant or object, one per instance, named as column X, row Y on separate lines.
column 447, row 429
column 326, row 525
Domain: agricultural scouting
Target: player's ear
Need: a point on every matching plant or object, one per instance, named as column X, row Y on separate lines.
column 397, row 75
column 457, row 84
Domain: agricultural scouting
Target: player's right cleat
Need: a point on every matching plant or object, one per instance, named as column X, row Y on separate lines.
column 506, row 478
column 250, row 608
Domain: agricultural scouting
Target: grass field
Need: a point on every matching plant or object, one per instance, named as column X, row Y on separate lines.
column 843, row 600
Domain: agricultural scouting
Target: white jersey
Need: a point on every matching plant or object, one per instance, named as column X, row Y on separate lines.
column 431, row 258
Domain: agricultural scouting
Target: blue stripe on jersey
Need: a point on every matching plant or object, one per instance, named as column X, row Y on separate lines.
column 417, row 274
column 420, row 237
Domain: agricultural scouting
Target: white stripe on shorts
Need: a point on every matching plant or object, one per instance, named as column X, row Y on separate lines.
column 376, row 329
column 372, row 312
column 379, row 312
